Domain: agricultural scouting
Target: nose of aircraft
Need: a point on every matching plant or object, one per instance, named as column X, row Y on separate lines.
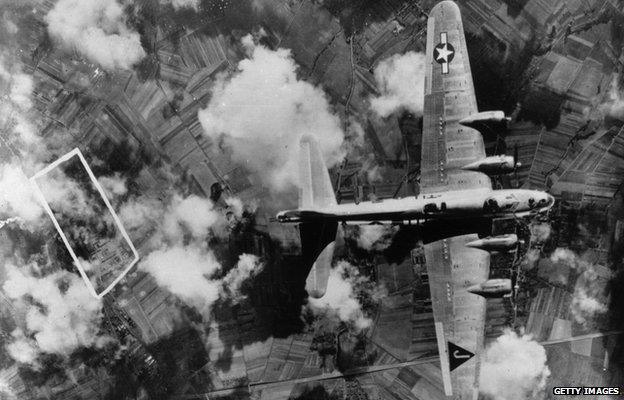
column 550, row 201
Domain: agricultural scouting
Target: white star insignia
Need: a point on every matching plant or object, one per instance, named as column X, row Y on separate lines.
column 443, row 53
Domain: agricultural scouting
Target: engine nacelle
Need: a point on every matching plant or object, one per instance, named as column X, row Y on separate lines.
column 502, row 243
column 485, row 118
column 493, row 165
column 492, row 288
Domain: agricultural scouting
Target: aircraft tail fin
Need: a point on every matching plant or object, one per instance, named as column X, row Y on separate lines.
column 315, row 188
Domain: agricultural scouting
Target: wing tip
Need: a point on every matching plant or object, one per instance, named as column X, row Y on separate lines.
column 316, row 292
column 318, row 278
column 445, row 7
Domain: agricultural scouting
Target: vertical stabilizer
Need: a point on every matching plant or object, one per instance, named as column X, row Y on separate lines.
column 315, row 188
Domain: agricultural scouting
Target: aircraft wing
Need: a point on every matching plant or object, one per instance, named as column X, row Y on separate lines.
column 459, row 315
column 447, row 146
column 449, row 97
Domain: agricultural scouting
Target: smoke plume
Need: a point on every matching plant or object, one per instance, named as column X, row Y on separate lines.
column 540, row 232
column 114, row 185
column 375, row 237
column 342, row 300
column 588, row 297
column 248, row 265
column 195, row 214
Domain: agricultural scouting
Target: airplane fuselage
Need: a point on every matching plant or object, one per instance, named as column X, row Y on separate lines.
column 457, row 204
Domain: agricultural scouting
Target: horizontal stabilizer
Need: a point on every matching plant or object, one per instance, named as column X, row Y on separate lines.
column 318, row 240
column 315, row 187
column 318, row 235
column 316, row 283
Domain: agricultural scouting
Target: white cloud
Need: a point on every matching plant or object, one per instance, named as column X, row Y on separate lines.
column 400, row 79
column 15, row 110
column 180, row 261
column 613, row 104
column 513, row 368
column 98, row 30
column 61, row 314
column 236, row 206
column 16, row 195
column 263, row 110
column 340, row 300
column 191, row 273
column 171, row 219
column 179, row 4
column 565, row 256
column 21, row 88
column 143, row 210
column 186, row 272
column 21, row 349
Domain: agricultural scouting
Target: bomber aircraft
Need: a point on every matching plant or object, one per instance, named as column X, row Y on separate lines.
column 455, row 202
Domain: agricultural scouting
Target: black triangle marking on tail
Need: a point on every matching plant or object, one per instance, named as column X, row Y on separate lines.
column 458, row 355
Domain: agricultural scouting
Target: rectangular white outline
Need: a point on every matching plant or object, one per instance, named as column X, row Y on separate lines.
column 46, row 206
